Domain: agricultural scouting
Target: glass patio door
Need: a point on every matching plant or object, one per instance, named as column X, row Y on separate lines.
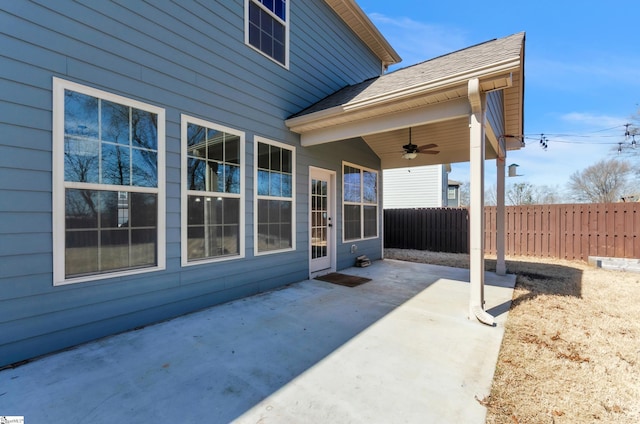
column 321, row 222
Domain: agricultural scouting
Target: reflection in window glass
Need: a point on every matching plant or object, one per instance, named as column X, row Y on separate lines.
column 107, row 145
column 213, row 227
column 370, row 227
column 144, row 129
column 274, row 171
column 116, row 164
column 274, row 225
column 213, row 160
column 109, row 230
column 115, row 122
column 352, row 227
column 213, row 187
column 267, row 27
column 81, row 160
column 352, row 186
column 275, row 197
column 370, row 186
column 81, row 115
column 360, row 188
column 144, row 168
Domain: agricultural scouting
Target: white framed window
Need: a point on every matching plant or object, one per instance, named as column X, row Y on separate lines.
column 360, row 202
column 267, row 28
column 212, row 192
column 108, row 184
column 451, row 193
column 275, row 171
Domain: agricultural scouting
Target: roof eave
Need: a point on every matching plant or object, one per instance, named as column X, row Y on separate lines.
column 362, row 26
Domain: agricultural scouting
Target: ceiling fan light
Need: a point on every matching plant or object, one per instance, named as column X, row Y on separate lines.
column 409, row 155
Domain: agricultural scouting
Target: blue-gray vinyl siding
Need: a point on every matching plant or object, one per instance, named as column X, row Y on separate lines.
column 186, row 57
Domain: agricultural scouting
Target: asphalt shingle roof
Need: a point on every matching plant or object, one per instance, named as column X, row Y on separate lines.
column 465, row 60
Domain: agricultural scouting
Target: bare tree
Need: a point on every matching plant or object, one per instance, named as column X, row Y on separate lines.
column 521, row 194
column 464, row 194
column 603, row 182
column 491, row 196
column 546, row 195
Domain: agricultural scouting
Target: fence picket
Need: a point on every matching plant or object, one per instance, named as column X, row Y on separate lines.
column 572, row 231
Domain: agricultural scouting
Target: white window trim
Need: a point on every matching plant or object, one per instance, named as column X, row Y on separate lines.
column 59, row 185
column 361, row 203
column 186, row 119
column 286, row 32
column 292, row 199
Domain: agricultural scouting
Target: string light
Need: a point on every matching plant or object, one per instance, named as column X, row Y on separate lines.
column 544, row 141
column 630, row 131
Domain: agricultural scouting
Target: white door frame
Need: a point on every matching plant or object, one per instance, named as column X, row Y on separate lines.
column 332, row 234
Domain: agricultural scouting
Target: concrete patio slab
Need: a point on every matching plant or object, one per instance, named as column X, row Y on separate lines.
column 396, row 349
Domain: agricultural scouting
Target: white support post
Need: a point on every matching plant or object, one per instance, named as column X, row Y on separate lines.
column 501, row 267
column 477, row 99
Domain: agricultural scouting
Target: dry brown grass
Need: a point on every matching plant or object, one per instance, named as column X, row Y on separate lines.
column 571, row 349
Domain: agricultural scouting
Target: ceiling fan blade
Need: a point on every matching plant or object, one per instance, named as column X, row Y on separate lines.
column 427, row 146
column 429, row 152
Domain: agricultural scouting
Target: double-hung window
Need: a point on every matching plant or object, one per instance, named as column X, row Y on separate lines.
column 212, row 192
column 108, row 184
column 360, row 202
column 267, row 28
column 275, row 203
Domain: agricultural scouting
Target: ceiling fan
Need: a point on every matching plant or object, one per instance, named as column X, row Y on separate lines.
column 411, row 150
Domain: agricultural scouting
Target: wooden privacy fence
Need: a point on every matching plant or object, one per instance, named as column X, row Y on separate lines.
column 435, row 229
column 574, row 231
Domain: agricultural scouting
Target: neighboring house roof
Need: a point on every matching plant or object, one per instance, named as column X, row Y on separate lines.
column 362, row 26
column 454, row 183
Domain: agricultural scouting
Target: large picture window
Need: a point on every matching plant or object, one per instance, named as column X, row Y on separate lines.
column 267, row 28
column 360, row 202
column 275, row 185
column 212, row 191
column 108, row 193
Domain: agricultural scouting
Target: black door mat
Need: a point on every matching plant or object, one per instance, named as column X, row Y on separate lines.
column 343, row 279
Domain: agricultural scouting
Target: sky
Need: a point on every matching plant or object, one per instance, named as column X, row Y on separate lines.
column 582, row 71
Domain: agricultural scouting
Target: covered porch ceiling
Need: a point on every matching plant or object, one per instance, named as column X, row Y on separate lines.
column 429, row 101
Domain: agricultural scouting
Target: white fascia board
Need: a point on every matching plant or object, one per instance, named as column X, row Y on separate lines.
column 429, row 114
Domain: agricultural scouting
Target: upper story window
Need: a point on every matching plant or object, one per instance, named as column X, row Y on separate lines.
column 212, row 191
column 360, row 202
column 451, row 193
column 275, row 191
column 267, row 28
column 108, row 184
